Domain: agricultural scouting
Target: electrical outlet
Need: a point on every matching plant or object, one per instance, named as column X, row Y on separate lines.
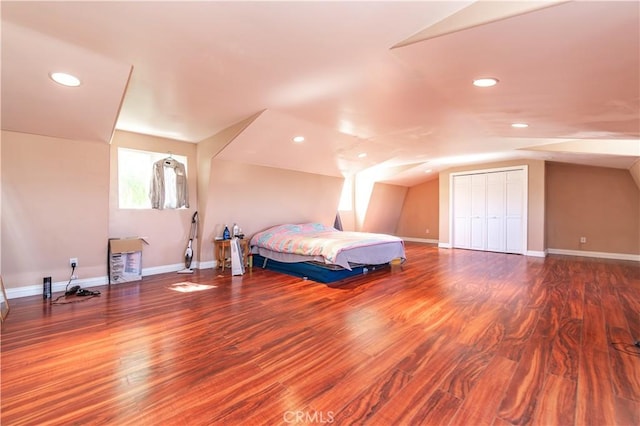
column 583, row 240
column 73, row 261
column 427, row 231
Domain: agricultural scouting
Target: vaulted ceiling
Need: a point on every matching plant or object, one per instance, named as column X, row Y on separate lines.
column 392, row 80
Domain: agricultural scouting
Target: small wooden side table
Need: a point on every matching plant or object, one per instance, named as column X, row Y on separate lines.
column 222, row 247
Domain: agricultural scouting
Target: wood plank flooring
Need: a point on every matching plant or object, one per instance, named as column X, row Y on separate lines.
column 451, row 337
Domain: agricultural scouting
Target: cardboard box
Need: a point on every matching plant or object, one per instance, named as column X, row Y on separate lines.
column 125, row 259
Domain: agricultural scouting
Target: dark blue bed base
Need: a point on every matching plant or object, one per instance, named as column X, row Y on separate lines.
column 310, row 270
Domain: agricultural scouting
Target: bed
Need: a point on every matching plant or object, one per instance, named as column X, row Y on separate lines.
column 322, row 253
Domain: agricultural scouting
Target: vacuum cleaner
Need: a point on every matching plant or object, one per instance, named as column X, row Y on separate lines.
column 188, row 254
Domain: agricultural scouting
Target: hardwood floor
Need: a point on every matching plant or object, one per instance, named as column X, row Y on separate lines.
column 450, row 337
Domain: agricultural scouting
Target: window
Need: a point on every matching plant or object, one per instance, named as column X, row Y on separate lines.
column 134, row 176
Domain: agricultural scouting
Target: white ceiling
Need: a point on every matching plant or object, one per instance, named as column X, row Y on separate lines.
column 389, row 79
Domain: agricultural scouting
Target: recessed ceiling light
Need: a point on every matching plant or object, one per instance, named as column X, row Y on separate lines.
column 485, row 82
column 362, row 155
column 428, row 171
column 298, row 139
column 519, row 125
column 65, row 79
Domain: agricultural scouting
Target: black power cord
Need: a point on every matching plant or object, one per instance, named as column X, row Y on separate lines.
column 67, row 292
column 76, row 290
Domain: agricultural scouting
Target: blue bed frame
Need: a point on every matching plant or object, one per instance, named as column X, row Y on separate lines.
column 312, row 271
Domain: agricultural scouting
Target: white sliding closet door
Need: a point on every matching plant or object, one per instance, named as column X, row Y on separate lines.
column 478, row 212
column 462, row 213
column 514, row 211
column 496, row 211
column 488, row 211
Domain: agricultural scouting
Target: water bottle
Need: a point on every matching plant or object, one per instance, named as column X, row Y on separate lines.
column 235, row 230
column 225, row 234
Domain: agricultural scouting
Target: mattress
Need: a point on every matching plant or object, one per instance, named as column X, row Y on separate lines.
column 314, row 271
column 320, row 243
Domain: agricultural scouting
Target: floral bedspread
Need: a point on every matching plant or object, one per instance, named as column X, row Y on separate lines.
column 316, row 239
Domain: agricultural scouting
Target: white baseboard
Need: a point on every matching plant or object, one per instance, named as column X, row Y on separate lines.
column 536, row 253
column 33, row 290
column 207, row 265
column 598, row 254
column 163, row 269
column 60, row 286
column 420, row 240
column 533, row 253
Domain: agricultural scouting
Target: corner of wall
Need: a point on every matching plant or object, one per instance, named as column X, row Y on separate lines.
column 206, row 150
column 635, row 172
column 0, row 204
